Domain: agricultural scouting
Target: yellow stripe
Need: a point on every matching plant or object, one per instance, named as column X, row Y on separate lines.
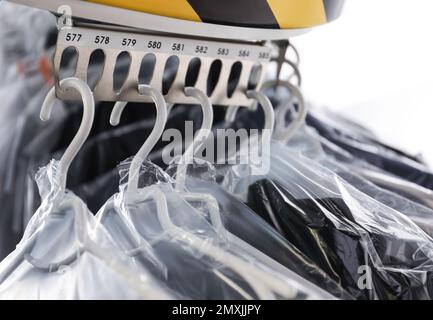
column 298, row 13
column 179, row 9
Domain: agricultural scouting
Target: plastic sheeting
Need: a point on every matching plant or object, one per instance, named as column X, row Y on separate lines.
column 159, row 228
column 343, row 230
column 66, row 254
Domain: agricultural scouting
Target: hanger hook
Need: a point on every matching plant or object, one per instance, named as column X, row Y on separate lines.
column 281, row 59
column 151, row 141
column 85, row 126
column 296, row 52
column 268, row 109
column 288, row 132
column 201, row 135
column 261, row 99
column 232, row 111
column 296, row 72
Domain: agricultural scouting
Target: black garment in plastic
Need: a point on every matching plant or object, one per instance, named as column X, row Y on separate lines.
column 246, row 224
column 339, row 251
column 191, row 280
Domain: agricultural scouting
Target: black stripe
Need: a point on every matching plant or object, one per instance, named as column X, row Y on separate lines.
column 333, row 8
column 242, row 13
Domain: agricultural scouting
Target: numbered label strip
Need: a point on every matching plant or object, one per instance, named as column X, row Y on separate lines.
column 252, row 58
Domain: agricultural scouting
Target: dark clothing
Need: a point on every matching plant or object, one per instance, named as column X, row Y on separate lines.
column 390, row 160
column 327, row 233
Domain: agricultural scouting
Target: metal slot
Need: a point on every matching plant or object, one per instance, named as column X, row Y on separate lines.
column 113, row 43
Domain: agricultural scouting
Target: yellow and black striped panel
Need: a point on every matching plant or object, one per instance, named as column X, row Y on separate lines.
column 272, row 14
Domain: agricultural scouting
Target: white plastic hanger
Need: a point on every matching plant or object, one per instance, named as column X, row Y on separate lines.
column 268, row 129
column 261, row 99
column 199, row 138
column 156, row 194
column 151, row 141
column 269, row 115
column 212, row 203
column 78, row 208
column 283, row 133
column 262, row 282
column 266, row 104
column 65, row 162
column 85, row 126
column 134, row 169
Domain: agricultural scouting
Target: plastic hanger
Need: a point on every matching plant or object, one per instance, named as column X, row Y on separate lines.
column 85, row 126
column 156, row 195
column 199, row 138
column 284, row 133
column 283, row 48
column 249, row 273
column 162, row 111
column 151, row 141
column 210, row 201
column 261, row 281
column 69, row 155
column 65, row 162
column 266, row 104
column 85, row 243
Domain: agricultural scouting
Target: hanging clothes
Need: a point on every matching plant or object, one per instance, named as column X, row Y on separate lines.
column 303, row 210
column 61, row 226
column 378, row 155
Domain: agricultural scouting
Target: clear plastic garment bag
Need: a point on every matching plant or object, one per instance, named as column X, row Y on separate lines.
column 373, row 236
column 62, row 227
column 154, row 222
column 187, row 251
column 342, row 229
column 310, row 144
column 241, row 225
column 64, row 253
column 338, row 215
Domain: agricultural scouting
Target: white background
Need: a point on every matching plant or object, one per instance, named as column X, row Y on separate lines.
column 375, row 65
